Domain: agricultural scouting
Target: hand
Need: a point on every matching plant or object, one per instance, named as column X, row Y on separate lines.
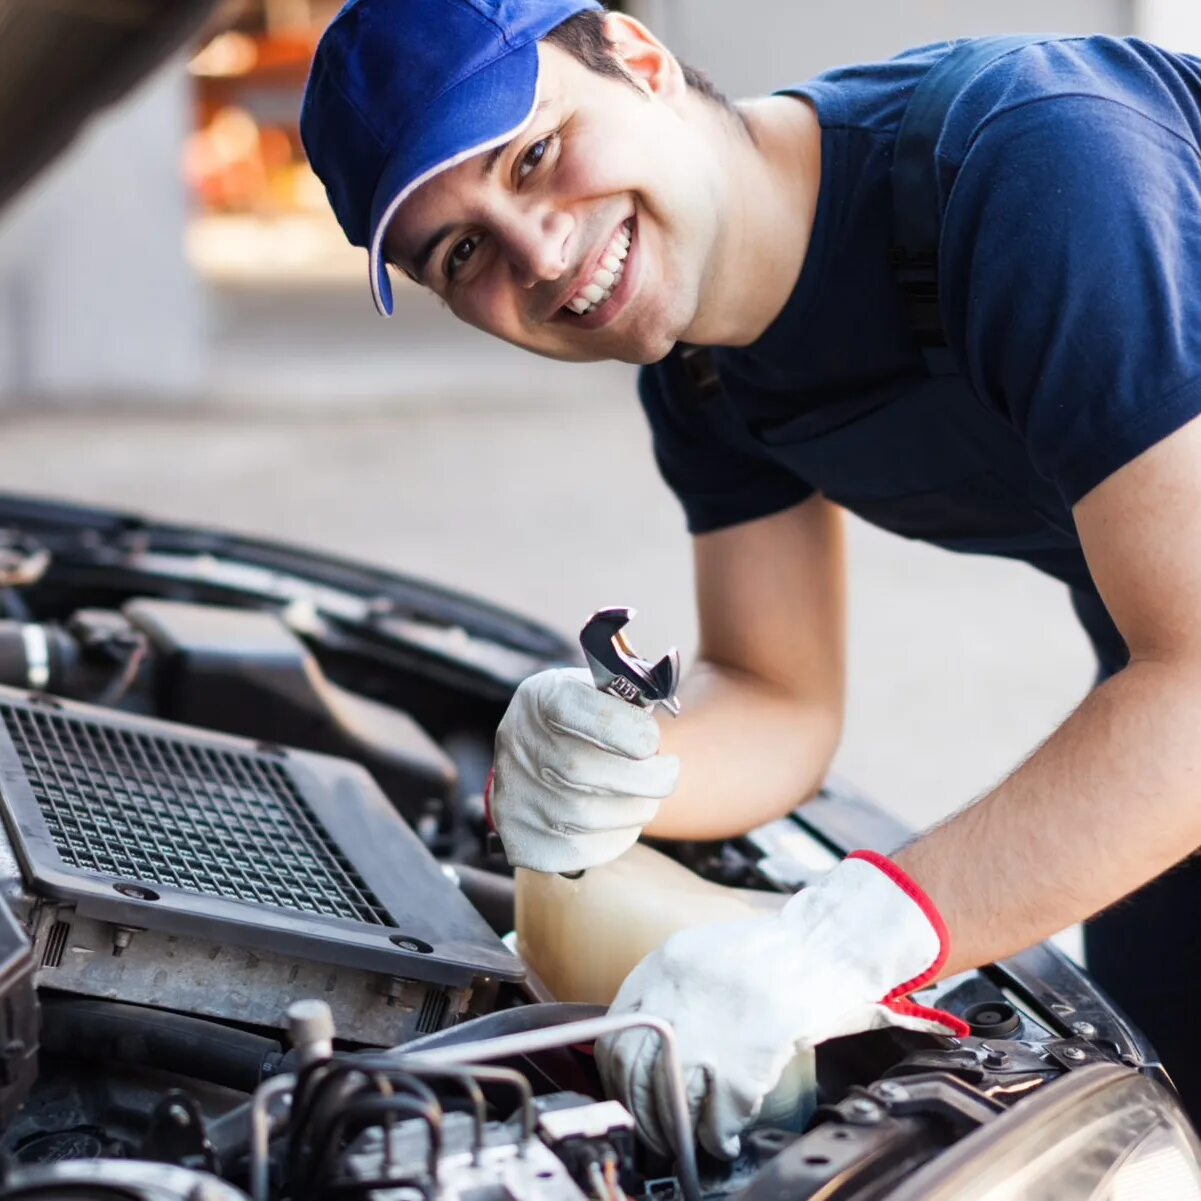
column 744, row 997
column 576, row 774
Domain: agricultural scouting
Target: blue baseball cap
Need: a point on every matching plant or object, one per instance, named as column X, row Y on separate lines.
column 401, row 90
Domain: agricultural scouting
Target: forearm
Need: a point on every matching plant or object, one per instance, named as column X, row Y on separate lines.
column 1106, row 804
column 749, row 752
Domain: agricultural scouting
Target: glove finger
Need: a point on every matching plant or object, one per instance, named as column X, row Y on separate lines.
column 576, row 853
column 611, row 820
column 722, row 1117
column 571, row 704
column 627, row 1063
column 610, row 776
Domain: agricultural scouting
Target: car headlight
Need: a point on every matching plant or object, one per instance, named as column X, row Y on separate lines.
column 1102, row 1133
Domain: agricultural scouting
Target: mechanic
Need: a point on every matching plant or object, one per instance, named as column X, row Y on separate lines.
column 560, row 180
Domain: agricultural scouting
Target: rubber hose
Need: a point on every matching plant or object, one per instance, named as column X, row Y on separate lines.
column 87, row 1029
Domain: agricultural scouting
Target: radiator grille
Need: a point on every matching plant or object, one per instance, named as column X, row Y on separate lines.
column 185, row 814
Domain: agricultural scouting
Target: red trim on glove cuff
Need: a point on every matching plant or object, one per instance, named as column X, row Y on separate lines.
column 898, row 1000
column 488, row 802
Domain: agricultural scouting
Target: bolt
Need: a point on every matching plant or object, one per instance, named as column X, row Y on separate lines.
column 178, row 1115
column 889, row 1090
column 122, row 937
column 1084, row 1029
column 865, row 1109
column 1075, row 1054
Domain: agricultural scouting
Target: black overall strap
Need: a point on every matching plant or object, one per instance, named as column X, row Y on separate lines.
column 917, row 216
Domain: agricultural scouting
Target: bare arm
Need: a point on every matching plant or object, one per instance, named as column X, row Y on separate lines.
column 1113, row 798
column 762, row 707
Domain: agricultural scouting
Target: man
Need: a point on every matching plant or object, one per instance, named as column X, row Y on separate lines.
column 560, row 180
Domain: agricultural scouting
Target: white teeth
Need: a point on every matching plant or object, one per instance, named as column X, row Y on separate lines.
column 606, row 277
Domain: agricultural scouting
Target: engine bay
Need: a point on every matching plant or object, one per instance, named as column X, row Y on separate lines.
column 256, row 938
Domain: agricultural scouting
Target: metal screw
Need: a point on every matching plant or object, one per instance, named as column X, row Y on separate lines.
column 889, row 1090
column 1084, row 1029
column 178, row 1115
column 1075, row 1054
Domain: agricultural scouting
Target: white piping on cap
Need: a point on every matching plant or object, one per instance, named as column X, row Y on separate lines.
column 378, row 236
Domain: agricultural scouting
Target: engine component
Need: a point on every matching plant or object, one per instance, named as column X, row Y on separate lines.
column 207, row 874
column 353, row 1124
column 363, row 1120
column 130, row 1180
column 505, row 1165
column 95, row 658
column 993, row 1019
column 18, row 1017
column 243, row 671
column 595, row 1139
column 531, row 1041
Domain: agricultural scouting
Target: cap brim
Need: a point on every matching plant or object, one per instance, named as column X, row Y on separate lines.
column 484, row 111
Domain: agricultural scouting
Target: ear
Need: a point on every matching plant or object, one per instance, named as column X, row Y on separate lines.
column 646, row 59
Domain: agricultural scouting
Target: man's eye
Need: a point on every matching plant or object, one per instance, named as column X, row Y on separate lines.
column 532, row 157
column 460, row 253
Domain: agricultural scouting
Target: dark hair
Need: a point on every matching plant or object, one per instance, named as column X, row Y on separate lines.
column 583, row 37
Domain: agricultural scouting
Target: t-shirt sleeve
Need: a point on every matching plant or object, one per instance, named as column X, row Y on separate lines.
column 706, row 460
column 1072, row 235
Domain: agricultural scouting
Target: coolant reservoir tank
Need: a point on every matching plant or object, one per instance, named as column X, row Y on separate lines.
column 583, row 937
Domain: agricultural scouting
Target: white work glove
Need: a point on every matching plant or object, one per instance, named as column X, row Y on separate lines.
column 576, row 774
column 744, row 997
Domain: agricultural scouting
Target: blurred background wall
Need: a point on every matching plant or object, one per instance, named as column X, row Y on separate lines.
column 97, row 296
column 198, row 180
column 762, row 44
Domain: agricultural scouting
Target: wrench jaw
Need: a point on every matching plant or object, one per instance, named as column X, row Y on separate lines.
column 664, row 680
column 618, row 670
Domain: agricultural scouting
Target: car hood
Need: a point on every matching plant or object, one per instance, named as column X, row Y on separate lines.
column 61, row 61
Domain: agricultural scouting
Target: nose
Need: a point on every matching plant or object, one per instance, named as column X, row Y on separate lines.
column 537, row 242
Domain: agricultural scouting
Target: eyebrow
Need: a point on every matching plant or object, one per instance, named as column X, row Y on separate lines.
column 425, row 251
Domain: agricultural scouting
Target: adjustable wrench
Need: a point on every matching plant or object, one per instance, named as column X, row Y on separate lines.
column 616, row 669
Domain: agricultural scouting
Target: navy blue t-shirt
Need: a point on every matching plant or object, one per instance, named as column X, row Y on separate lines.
column 1070, row 278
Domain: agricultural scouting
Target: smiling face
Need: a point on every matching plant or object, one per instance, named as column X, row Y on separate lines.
column 592, row 234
